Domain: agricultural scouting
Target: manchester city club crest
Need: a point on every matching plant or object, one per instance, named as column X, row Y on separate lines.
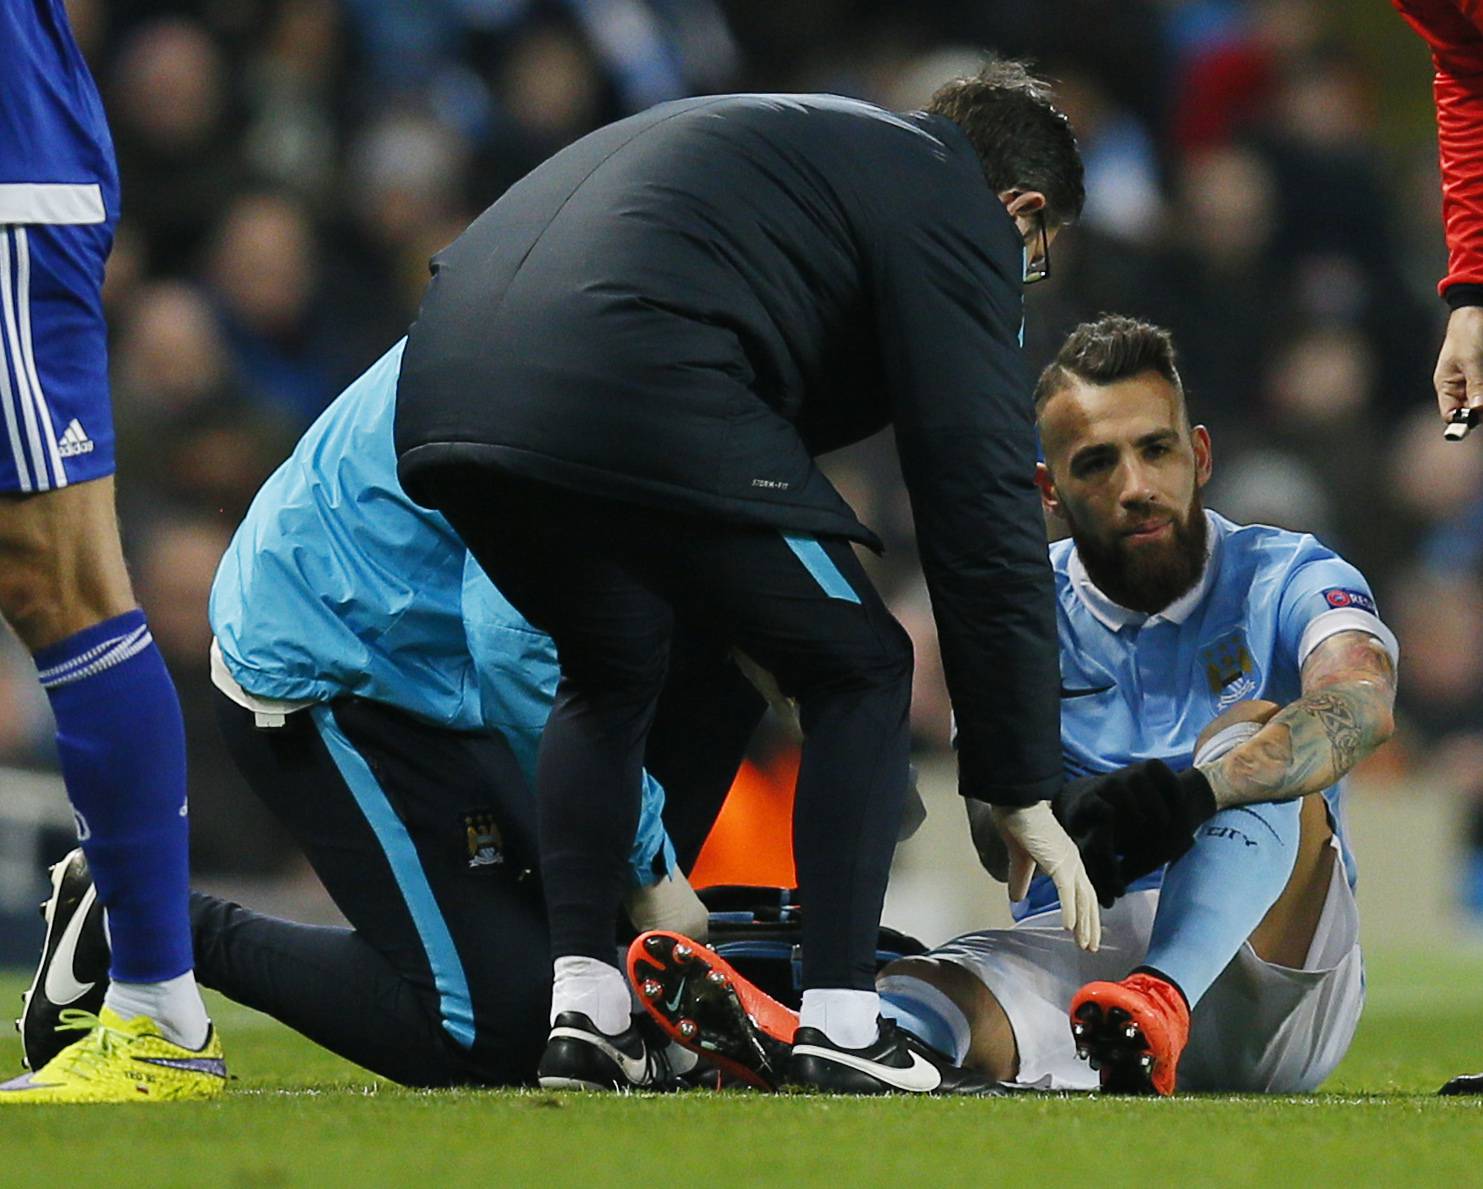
column 1230, row 670
column 483, row 839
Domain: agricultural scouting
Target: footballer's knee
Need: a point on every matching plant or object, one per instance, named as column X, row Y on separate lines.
column 991, row 1048
column 1252, row 710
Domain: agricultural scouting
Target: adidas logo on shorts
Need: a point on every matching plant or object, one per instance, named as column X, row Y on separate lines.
column 74, row 440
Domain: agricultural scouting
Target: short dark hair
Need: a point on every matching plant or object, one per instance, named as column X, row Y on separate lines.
column 1023, row 140
column 1112, row 347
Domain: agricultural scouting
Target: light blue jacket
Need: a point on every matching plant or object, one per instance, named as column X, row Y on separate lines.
column 336, row 584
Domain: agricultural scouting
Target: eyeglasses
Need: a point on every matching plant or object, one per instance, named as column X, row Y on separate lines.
column 1037, row 262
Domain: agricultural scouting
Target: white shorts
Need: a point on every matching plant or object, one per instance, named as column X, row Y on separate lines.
column 1259, row 1029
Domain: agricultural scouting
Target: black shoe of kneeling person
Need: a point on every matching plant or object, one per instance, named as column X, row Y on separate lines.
column 895, row 1063
column 580, row 1057
column 1468, row 1083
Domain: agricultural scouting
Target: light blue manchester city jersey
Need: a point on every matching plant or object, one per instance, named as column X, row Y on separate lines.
column 336, row 584
column 1136, row 687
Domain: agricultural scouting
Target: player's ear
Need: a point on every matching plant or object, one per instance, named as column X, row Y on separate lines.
column 1049, row 500
column 1022, row 202
column 1204, row 458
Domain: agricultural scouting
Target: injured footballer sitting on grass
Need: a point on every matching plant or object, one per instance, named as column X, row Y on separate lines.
column 1245, row 671
column 1180, row 633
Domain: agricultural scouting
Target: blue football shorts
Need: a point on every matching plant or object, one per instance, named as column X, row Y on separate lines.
column 56, row 424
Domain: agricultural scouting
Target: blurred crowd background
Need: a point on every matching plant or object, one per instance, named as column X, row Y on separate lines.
column 1261, row 176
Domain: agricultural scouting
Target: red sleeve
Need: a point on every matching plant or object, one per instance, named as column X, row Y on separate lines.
column 1454, row 30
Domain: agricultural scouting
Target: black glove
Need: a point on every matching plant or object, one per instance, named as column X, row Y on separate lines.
column 1091, row 821
column 1133, row 821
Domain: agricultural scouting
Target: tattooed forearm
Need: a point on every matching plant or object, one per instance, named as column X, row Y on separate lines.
column 1342, row 726
column 1305, row 748
column 1314, row 741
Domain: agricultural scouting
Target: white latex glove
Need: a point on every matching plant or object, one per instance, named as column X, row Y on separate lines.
column 1035, row 838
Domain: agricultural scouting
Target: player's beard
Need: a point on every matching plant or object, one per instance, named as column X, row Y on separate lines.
column 1147, row 578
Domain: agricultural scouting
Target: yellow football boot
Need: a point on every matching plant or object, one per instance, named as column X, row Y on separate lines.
column 120, row 1060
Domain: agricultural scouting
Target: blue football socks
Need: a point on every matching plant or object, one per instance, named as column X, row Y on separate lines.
column 122, row 748
column 1219, row 891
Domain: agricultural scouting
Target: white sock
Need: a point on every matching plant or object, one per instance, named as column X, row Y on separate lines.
column 846, row 1017
column 592, row 987
column 175, row 1005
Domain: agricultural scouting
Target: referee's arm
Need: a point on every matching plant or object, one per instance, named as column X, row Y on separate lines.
column 1457, row 54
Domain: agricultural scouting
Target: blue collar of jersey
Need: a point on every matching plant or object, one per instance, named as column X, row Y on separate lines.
column 1114, row 615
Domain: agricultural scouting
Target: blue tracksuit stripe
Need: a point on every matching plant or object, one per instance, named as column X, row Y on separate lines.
column 455, row 1002
column 824, row 571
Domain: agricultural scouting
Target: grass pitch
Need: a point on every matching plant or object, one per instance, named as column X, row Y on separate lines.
column 295, row 1115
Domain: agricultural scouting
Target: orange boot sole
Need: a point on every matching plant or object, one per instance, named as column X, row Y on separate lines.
column 702, row 1002
column 1132, row 1037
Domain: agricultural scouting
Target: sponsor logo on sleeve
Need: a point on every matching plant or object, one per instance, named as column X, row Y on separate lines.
column 1341, row 596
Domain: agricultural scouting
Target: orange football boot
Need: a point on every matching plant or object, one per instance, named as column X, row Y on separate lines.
column 703, row 1003
column 1133, row 1032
